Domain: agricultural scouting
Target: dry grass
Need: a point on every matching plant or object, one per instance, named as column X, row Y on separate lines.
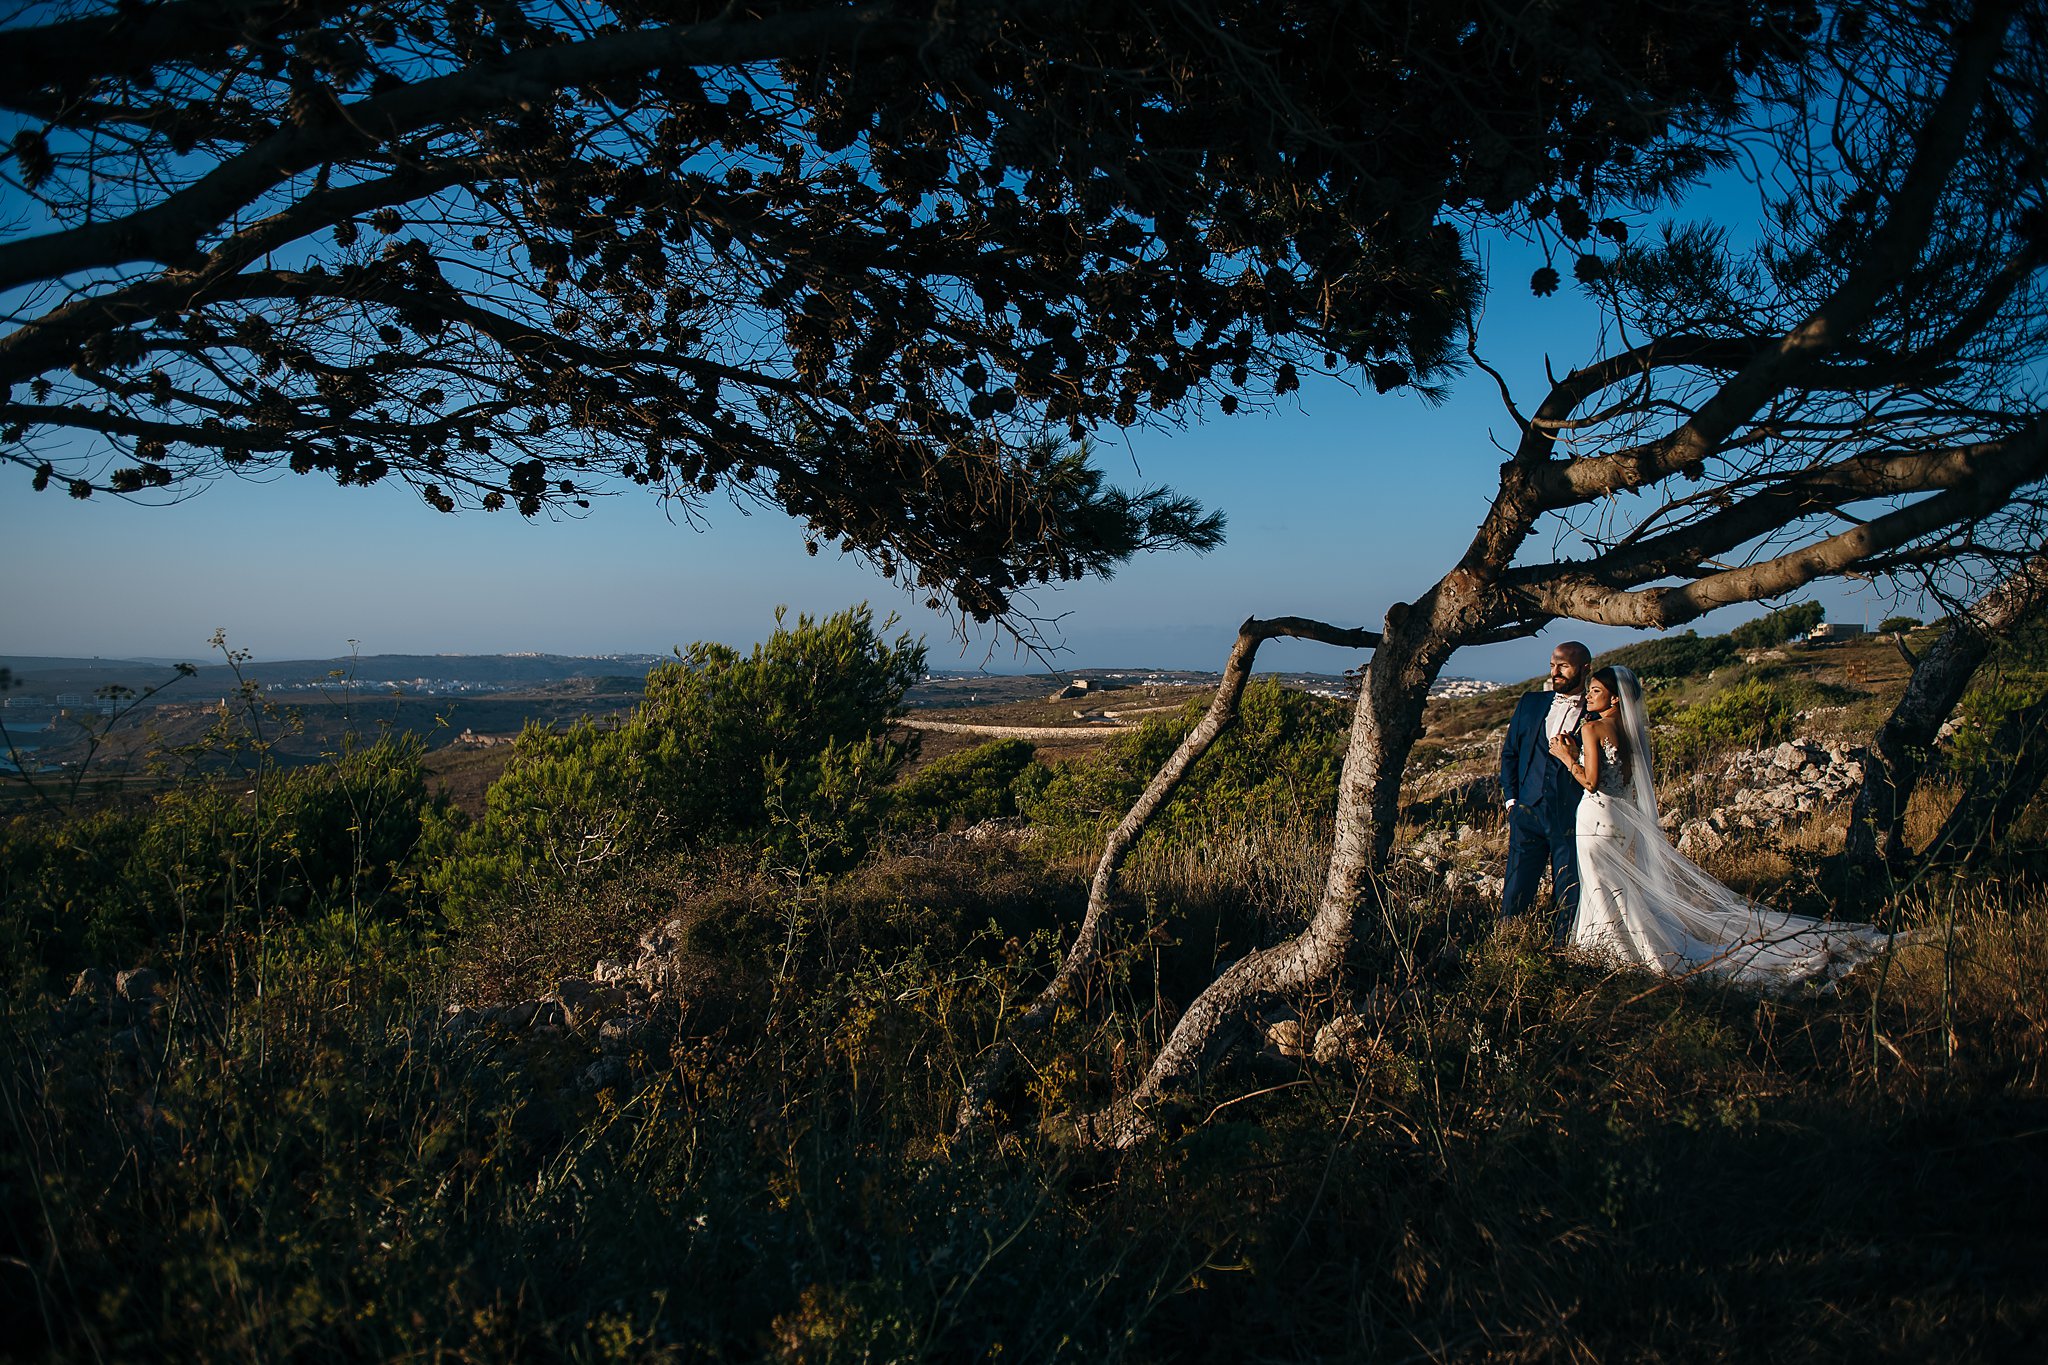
column 1531, row 1159
column 1528, row 1157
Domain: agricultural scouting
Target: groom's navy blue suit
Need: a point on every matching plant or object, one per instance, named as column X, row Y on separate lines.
column 1543, row 822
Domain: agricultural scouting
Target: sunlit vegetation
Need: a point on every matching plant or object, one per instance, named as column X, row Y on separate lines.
column 282, row 1153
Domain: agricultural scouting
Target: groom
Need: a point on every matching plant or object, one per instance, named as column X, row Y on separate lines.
column 1542, row 797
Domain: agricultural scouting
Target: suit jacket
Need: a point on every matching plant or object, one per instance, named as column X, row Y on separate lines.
column 1529, row 775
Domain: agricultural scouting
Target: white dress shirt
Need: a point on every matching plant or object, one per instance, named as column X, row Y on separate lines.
column 1567, row 712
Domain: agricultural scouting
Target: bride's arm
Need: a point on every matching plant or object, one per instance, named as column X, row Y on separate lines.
column 1584, row 764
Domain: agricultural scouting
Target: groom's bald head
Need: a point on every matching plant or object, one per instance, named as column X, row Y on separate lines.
column 1568, row 666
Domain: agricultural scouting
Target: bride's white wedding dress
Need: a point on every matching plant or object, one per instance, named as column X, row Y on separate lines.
column 1643, row 902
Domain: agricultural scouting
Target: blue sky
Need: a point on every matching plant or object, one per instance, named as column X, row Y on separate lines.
column 1339, row 504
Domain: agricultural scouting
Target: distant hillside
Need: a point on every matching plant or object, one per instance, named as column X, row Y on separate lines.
column 420, row 672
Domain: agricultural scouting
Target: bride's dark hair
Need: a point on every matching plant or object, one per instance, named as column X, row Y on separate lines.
column 1611, row 680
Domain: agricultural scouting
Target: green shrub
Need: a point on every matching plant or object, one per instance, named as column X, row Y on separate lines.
column 1753, row 713
column 1898, row 625
column 1986, row 711
column 962, row 789
column 1278, row 764
column 67, row 895
column 1674, row 657
column 213, row 854
column 1775, row 629
column 780, row 751
column 345, row 831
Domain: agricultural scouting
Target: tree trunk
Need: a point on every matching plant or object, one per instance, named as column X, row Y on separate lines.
column 1998, row 792
column 1385, row 724
column 975, row 1103
column 1894, row 761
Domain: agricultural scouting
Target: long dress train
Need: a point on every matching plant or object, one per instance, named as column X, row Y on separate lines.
column 1643, row 902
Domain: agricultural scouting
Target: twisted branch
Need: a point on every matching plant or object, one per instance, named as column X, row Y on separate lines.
column 975, row 1103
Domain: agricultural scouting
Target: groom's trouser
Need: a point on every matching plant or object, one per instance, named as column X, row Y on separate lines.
column 1534, row 843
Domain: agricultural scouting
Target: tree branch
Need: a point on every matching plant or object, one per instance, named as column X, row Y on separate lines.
column 1086, row 950
column 1889, row 254
column 1600, row 596
column 169, row 231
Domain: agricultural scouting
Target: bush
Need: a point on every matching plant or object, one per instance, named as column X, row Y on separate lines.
column 1278, row 764
column 1987, row 711
column 1898, row 625
column 1749, row 715
column 68, row 898
column 780, row 751
column 211, row 854
column 962, row 789
column 1775, row 629
column 1674, row 657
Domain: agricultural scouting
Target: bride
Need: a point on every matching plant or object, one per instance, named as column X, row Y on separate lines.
column 1643, row 902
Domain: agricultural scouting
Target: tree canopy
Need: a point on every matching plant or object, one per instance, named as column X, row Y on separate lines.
column 875, row 263
column 1857, row 390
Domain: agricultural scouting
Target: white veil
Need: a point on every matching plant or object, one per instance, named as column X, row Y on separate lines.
column 1653, row 906
column 1635, row 735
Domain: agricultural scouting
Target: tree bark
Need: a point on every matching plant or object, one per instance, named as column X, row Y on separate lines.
column 1086, row 951
column 2000, row 791
column 1628, row 579
column 1386, row 722
column 1894, row 761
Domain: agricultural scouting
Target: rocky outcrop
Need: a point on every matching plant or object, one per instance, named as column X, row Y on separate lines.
column 1286, row 1044
column 626, row 1014
column 1768, row 790
column 1751, row 795
column 1464, row 859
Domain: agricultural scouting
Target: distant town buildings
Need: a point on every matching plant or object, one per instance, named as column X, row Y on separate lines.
column 1463, row 687
column 29, row 712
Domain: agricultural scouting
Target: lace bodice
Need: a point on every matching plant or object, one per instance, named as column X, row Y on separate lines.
column 1613, row 773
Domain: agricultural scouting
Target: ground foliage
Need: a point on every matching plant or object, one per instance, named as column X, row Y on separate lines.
column 1277, row 765
column 782, row 750
column 963, row 789
column 1672, row 658
column 1524, row 1157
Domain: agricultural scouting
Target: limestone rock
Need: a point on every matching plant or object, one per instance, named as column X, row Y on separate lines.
column 138, row 984
column 91, row 984
column 619, row 1035
column 1342, row 1039
column 605, row 1071
column 661, row 949
column 1287, row 1039
column 1699, row 839
column 584, row 1003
